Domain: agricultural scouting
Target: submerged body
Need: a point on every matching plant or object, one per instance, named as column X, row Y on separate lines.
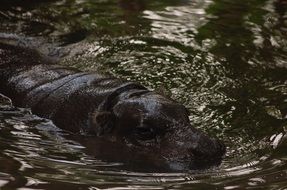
column 123, row 113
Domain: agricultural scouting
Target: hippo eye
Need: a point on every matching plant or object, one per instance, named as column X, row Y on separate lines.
column 145, row 133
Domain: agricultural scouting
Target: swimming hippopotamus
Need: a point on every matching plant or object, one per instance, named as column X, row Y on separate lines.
column 121, row 112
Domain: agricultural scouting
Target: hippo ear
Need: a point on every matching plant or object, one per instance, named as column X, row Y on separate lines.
column 101, row 122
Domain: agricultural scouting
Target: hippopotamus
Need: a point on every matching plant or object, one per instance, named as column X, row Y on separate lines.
column 104, row 107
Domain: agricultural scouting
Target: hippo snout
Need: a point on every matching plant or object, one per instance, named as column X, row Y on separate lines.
column 193, row 150
column 206, row 151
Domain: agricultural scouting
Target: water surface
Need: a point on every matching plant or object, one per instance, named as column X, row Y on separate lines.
column 225, row 60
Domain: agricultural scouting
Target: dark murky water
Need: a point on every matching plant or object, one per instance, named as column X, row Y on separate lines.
column 225, row 60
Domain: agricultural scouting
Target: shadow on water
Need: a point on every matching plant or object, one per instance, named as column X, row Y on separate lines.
column 225, row 60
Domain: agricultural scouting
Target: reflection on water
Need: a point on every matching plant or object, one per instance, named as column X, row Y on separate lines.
column 225, row 60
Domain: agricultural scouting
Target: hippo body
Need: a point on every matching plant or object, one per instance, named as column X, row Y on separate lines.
column 123, row 112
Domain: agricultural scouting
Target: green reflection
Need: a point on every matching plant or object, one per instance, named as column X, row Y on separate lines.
column 241, row 38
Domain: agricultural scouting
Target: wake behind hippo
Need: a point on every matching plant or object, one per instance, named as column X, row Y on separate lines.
column 116, row 110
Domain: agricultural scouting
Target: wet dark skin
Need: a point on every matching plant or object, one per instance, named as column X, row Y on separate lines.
column 128, row 116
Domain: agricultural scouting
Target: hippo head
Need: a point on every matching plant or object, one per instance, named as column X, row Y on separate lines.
column 159, row 130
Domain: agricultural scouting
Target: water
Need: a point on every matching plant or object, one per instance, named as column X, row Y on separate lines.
column 225, row 60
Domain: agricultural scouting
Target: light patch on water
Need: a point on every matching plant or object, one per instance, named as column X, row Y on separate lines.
column 273, row 111
column 24, row 165
column 26, row 135
column 3, row 182
column 276, row 139
column 33, row 182
column 137, row 42
column 201, row 108
column 244, row 169
column 231, row 187
column 20, row 127
column 177, row 23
